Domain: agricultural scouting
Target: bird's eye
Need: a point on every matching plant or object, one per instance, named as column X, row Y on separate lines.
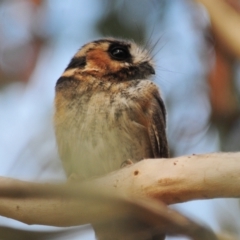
column 119, row 53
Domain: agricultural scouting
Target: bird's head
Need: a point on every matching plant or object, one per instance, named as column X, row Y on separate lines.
column 112, row 59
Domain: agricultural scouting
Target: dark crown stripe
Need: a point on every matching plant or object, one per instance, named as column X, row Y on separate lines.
column 77, row 62
column 99, row 41
column 65, row 82
column 121, row 43
column 63, row 79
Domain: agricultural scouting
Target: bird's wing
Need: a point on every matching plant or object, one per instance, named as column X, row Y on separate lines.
column 157, row 128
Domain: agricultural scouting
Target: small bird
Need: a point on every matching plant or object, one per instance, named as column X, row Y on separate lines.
column 107, row 111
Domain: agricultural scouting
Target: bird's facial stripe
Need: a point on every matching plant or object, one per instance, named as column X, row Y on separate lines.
column 140, row 55
column 77, row 62
column 63, row 79
column 88, row 47
column 97, row 59
column 69, row 72
column 82, row 52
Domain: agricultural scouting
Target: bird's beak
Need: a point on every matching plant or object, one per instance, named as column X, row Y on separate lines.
column 149, row 68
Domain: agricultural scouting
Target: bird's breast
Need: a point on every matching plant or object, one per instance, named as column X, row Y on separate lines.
column 97, row 133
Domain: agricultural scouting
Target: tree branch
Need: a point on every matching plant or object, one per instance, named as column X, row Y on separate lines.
column 180, row 179
column 131, row 191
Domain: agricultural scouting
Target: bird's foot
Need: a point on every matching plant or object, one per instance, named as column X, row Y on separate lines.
column 127, row 163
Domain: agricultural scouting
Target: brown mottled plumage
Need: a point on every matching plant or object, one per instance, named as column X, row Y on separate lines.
column 107, row 111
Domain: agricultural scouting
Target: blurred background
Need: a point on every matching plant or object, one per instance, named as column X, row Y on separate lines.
column 198, row 77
